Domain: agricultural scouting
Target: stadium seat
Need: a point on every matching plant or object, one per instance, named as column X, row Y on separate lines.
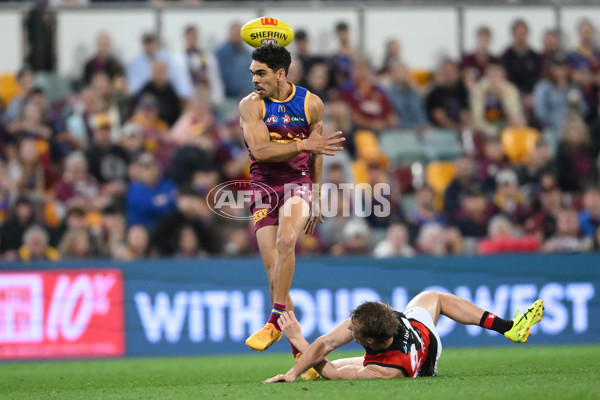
column 8, row 88
column 518, row 143
column 229, row 109
column 367, row 147
column 54, row 85
column 441, row 144
column 401, row 146
column 438, row 175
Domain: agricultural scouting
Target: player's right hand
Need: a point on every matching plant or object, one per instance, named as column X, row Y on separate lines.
column 289, row 325
column 327, row 145
column 280, row 378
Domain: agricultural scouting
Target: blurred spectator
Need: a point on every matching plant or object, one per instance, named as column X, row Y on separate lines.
column 589, row 217
column 538, row 164
column 585, row 63
column 552, row 47
column 556, row 96
column 188, row 213
column 35, row 246
column 392, row 56
column 188, row 243
column 474, row 215
column 40, row 26
column 7, row 193
column 395, row 243
column 447, row 102
column 169, row 107
column 28, row 173
column 405, row 98
column 136, row 244
column 317, row 80
column 339, row 203
column 342, row 59
column 423, row 212
column 370, row 106
column 295, row 73
column 112, row 230
column 567, row 238
column 79, row 124
column 25, row 79
column 102, row 61
column 11, row 231
column 115, row 101
column 508, row 199
column 107, row 162
column 77, row 244
column 238, row 244
column 303, row 54
column 200, row 66
column 503, row 238
column 74, row 220
column 31, row 123
column 495, row 103
column 139, row 70
column 522, row 64
column 473, row 65
column 234, row 60
column 77, row 187
column 575, row 160
column 356, row 238
column 150, row 196
column 198, row 119
column 435, row 240
column 543, row 222
column 494, row 159
column 464, row 180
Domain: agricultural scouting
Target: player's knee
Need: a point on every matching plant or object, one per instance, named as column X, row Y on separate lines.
column 286, row 242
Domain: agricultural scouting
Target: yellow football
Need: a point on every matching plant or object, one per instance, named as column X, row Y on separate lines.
column 266, row 30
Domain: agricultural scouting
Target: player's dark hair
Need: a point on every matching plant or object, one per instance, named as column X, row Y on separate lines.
column 375, row 320
column 275, row 56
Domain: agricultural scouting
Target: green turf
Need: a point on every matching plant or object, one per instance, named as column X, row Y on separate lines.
column 519, row 372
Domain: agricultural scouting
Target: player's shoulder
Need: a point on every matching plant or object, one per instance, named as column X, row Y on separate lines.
column 251, row 104
column 314, row 107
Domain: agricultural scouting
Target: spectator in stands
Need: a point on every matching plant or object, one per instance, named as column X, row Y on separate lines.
column 150, row 195
column 339, row 202
column 188, row 243
column 35, row 246
column 435, row 240
column 200, row 66
column 567, row 238
column 447, row 102
column 538, row 164
column 392, row 56
column 77, row 187
column 522, row 64
column 543, row 222
column 493, row 161
column 370, row 106
column 504, row 238
column 30, row 124
column 112, row 230
column 585, row 63
column 29, row 173
column 169, row 107
column 77, row 244
column 317, row 80
column 107, row 162
column 198, row 119
column 465, row 178
column 552, row 47
column 11, row 231
column 303, row 54
column 234, row 58
column 495, row 103
column 395, row 244
column 474, row 215
column 575, row 160
column 423, row 212
column 79, row 124
column 102, row 61
column 356, row 239
column 406, row 99
column 25, row 80
column 7, row 194
column 74, row 220
column 132, row 140
column 557, row 98
column 139, row 70
column 342, row 59
column 508, row 199
column 473, row 65
column 136, row 245
column 115, row 102
column 238, row 244
column 165, row 237
column 589, row 217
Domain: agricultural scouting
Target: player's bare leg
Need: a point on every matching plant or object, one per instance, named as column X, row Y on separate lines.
column 293, row 216
column 467, row 313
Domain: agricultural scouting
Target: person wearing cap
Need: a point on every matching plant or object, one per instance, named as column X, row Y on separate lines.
column 139, row 70
column 35, row 246
column 150, row 195
column 508, row 199
column 557, row 96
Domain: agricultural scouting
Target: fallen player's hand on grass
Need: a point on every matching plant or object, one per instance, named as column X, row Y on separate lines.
column 290, row 326
column 280, row 378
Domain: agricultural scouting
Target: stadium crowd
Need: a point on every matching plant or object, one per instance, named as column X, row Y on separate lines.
column 119, row 166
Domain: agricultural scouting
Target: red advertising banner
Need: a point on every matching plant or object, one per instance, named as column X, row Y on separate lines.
column 61, row 314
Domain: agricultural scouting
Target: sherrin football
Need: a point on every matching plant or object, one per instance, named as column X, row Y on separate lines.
column 267, row 30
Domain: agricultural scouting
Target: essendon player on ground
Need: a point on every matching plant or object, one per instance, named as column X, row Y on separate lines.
column 397, row 344
column 282, row 129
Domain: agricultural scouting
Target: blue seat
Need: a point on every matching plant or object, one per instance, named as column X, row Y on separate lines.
column 439, row 144
column 401, row 146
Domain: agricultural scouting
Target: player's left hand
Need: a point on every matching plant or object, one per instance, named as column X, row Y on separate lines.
column 280, row 378
column 311, row 224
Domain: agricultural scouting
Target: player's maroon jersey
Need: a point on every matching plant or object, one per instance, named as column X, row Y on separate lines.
column 413, row 350
column 286, row 121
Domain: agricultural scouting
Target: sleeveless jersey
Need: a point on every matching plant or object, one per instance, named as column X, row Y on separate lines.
column 286, row 121
column 413, row 350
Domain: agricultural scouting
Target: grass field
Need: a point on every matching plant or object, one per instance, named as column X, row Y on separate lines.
column 519, row 372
